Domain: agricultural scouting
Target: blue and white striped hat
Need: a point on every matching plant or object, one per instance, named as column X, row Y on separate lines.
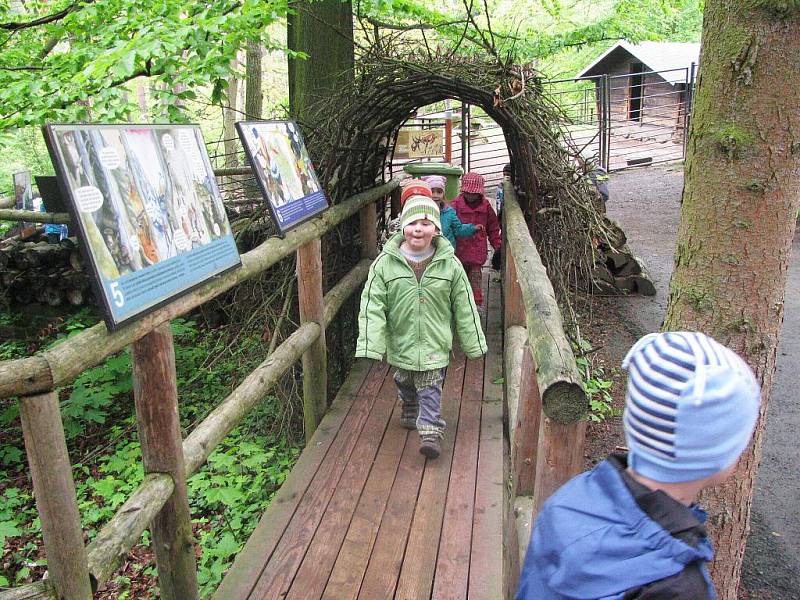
column 690, row 407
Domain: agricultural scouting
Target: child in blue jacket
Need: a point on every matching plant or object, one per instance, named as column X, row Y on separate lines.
column 629, row 528
column 452, row 227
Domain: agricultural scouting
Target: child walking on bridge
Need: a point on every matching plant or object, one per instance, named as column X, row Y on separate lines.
column 630, row 528
column 472, row 206
column 415, row 289
column 452, row 227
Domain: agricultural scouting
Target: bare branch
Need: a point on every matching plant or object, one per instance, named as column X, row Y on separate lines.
column 51, row 18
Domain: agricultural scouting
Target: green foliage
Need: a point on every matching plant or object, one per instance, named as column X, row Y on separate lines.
column 597, row 387
column 551, row 30
column 75, row 68
column 226, row 497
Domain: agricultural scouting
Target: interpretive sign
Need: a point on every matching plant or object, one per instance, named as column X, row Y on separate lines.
column 419, row 143
column 151, row 219
column 283, row 169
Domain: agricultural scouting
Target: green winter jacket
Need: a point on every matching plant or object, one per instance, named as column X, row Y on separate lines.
column 410, row 322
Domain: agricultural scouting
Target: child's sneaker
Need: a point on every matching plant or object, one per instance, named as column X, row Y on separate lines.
column 408, row 415
column 430, row 445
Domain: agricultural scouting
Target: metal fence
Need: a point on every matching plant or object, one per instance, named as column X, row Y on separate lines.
column 616, row 121
column 628, row 120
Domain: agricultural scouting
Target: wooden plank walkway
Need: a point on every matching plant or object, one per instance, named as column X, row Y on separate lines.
column 364, row 515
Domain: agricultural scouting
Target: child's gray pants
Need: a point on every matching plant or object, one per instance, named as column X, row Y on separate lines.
column 422, row 391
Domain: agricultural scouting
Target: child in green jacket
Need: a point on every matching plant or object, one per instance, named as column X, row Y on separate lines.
column 416, row 288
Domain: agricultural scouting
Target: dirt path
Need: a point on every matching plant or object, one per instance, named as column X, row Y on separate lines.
column 646, row 202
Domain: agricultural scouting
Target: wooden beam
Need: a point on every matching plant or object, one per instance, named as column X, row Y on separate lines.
column 563, row 397
column 515, row 340
column 560, row 457
column 32, row 216
column 41, row 590
column 63, row 363
column 312, row 310
column 525, row 450
column 54, row 490
column 513, row 304
column 124, row 530
column 368, row 231
column 155, row 393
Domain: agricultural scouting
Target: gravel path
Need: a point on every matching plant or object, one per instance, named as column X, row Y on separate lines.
column 646, row 202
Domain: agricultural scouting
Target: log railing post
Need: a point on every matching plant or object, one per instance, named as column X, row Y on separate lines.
column 513, row 304
column 54, row 489
column 526, row 436
column 368, row 229
column 312, row 308
column 559, row 458
column 156, row 396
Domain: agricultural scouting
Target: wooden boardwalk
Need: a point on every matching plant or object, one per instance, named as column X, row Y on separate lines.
column 364, row 515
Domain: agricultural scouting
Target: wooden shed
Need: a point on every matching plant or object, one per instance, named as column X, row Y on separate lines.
column 648, row 81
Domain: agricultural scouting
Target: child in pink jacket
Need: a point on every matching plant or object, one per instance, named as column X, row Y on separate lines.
column 472, row 206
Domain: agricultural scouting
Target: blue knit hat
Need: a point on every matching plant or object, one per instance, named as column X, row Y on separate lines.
column 690, row 407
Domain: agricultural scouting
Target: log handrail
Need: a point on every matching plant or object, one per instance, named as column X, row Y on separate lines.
column 61, row 364
column 563, row 397
column 31, row 216
column 547, row 404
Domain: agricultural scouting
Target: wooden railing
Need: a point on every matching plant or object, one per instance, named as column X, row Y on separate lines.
column 546, row 401
column 76, row 571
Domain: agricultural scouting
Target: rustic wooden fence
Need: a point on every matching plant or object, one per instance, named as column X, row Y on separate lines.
column 75, row 571
column 546, row 402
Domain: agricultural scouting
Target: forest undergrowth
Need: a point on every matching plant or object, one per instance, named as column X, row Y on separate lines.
column 227, row 496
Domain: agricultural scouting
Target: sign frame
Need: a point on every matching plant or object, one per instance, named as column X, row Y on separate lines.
column 289, row 172
column 151, row 188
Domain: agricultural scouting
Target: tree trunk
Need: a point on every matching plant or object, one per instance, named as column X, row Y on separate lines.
column 741, row 195
column 323, row 31
column 254, row 99
column 229, row 117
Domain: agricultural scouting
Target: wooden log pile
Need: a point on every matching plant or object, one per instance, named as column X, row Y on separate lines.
column 617, row 270
column 45, row 272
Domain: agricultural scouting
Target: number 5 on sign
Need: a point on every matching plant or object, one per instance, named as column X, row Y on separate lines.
column 116, row 293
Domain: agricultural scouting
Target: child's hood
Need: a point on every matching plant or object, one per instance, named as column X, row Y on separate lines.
column 603, row 543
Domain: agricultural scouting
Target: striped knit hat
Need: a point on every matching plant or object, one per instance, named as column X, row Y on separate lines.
column 690, row 407
column 414, row 187
column 420, row 207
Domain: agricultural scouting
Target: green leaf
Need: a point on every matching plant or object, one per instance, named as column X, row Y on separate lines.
column 8, row 529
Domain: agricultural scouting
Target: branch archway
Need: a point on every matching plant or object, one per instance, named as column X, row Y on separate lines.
column 352, row 134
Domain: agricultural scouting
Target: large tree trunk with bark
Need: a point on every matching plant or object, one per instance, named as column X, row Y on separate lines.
column 254, row 99
column 323, row 30
column 740, row 198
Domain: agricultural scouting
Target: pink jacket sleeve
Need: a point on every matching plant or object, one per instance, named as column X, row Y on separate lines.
column 493, row 228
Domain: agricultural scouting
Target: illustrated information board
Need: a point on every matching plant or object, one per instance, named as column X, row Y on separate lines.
column 150, row 215
column 283, row 169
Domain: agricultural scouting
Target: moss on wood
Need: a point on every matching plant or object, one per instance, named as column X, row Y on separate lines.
column 779, row 8
column 732, row 140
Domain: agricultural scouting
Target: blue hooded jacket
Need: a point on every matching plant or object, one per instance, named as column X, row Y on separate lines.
column 452, row 226
column 592, row 541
